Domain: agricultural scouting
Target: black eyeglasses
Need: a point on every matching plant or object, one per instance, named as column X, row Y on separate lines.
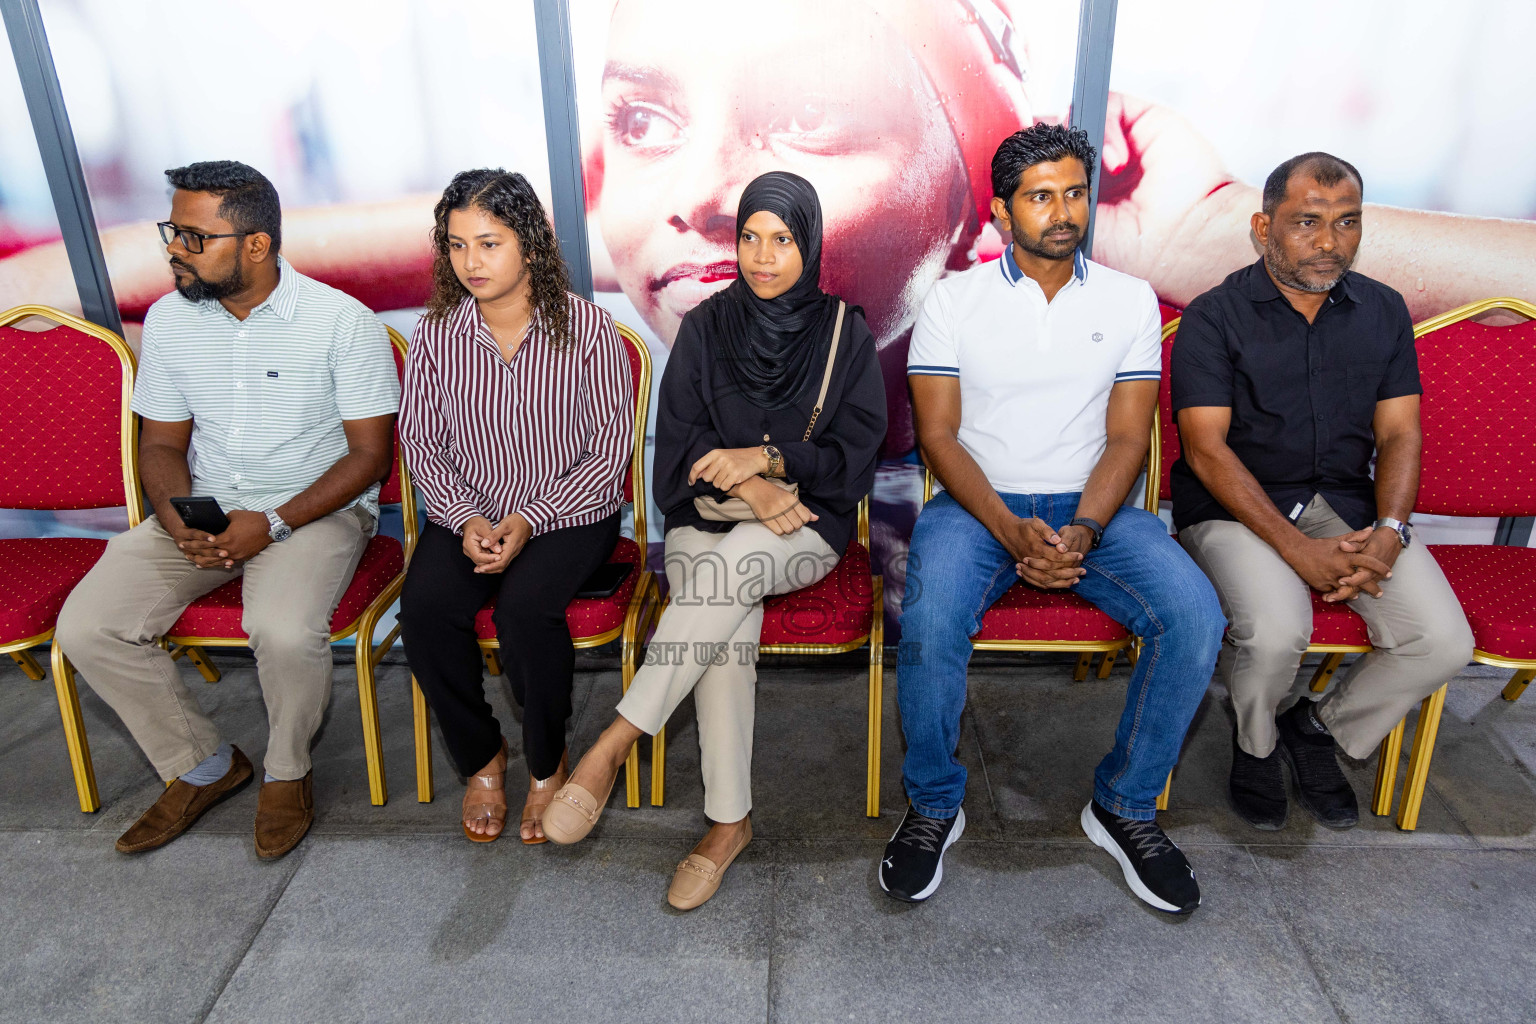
column 191, row 240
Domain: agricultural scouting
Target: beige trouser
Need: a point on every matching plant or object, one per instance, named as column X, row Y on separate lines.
column 1420, row 635
column 707, row 642
column 140, row 587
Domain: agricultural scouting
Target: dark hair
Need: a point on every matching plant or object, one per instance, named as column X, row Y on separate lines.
column 247, row 199
column 1328, row 169
column 510, row 199
column 1037, row 144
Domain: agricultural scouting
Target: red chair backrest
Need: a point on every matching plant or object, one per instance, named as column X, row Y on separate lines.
column 635, row 367
column 389, row 491
column 62, row 435
column 1478, row 414
column 1170, row 433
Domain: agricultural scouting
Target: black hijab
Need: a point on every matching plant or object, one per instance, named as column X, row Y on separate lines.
column 775, row 349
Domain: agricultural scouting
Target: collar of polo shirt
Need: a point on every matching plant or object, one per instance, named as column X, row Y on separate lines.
column 283, row 300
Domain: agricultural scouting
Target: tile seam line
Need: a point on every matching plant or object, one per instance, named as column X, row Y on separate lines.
column 1295, row 940
column 218, row 992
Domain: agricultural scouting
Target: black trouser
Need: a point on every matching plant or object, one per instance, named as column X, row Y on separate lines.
column 438, row 603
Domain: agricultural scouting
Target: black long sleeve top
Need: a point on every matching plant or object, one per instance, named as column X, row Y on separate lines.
column 700, row 410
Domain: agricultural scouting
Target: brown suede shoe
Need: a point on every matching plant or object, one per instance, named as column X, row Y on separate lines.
column 180, row 805
column 284, row 812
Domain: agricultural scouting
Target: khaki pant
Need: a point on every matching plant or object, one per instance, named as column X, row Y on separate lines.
column 138, row 590
column 1420, row 635
column 718, row 582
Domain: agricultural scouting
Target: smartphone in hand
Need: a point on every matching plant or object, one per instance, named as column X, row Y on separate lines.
column 201, row 514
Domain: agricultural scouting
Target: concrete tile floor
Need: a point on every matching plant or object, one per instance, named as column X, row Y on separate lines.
column 387, row 914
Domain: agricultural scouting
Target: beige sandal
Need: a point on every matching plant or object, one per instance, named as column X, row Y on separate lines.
column 698, row 878
column 572, row 813
column 493, row 780
column 533, row 812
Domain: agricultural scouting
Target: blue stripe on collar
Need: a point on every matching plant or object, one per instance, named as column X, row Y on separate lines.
column 1011, row 271
column 1079, row 266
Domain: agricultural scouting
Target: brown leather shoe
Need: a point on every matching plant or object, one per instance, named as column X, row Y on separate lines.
column 284, row 812
column 180, row 805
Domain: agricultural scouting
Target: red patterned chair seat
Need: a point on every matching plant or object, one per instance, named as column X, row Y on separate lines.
column 834, row 610
column 36, row 575
column 1026, row 614
column 585, row 616
column 1336, row 625
column 217, row 614
column 1497, row 589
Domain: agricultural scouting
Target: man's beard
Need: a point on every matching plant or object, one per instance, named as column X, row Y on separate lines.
column 1048, row 249
column 1289, row 274
column 201, row 290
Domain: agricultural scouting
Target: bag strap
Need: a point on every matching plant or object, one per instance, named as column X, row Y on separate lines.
column 826, row 377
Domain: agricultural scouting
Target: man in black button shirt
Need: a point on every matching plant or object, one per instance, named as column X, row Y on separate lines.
column 1286, row 378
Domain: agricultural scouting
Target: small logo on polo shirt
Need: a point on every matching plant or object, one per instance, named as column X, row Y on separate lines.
column 1097, row 336
column 273, row 373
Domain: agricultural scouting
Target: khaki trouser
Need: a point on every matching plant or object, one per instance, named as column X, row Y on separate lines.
column 707, row 642
column 1417, row 627
column 139, row 589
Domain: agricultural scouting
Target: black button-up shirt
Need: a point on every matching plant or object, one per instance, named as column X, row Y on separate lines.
column 1302, row 395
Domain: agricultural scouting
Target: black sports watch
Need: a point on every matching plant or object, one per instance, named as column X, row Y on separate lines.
column 1093, row 525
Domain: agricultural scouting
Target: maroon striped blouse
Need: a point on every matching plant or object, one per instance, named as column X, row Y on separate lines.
column 547, row 435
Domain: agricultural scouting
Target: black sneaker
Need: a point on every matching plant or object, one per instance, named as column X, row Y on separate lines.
column 1154, row 868
column 1320, row 784
column 1256, row 788
column 914, row 858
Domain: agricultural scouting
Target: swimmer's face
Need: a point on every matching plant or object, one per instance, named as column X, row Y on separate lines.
column 700, row 97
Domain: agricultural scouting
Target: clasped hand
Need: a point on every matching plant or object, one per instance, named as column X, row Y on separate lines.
column 248, row 535
column 492, row 548
column 726, row 468
column 1046, row 558
column 1343, row 567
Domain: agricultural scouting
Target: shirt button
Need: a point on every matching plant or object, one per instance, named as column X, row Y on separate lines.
column 239, row 334
column 235, row 477
column 1319, row 417
column 1316, row 371
column 237, row 430
column 239, row 384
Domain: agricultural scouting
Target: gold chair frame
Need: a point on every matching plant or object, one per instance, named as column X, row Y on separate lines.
column 190, row 647
column 875, row 638
column 638, row 618
column 19, row 650
column 1428, row 726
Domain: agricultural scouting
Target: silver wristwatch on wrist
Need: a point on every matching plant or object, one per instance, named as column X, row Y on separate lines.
column 1403, row 530
column 280, row 530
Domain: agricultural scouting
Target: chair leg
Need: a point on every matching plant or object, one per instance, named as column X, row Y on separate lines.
column 29, row 665
column 74, row 731
column 368, row 705
column 492, row 663
column 876, row 701
column 627, row 658
column 1386, row 771
column 421, row 717
column 199, row 660
column 1084, row 662
column 1418, row 762
column 1107, row 663
column 1133, row 653
column 1162, row 798
column 1517, row 683
column 1325, row 670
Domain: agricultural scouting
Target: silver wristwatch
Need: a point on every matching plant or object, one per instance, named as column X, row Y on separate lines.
column 280, row 531
column 1403, row 530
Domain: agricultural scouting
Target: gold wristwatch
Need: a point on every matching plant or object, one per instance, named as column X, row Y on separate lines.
column 775, row 460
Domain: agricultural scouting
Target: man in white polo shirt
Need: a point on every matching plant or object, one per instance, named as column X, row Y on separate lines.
column 1034, row 382
column 276, row 395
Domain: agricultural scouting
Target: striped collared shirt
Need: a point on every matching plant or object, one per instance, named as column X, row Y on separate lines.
column 266, row 395
column 546, row 435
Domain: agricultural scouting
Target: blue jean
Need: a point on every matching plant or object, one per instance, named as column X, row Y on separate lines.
column 1138, row 575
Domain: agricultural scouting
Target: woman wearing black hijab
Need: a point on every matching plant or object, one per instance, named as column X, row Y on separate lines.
column 770, row 382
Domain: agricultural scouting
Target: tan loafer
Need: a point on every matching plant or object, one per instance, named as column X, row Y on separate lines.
column 698, row 878
column 180, row 805
column 572, row 813
column 284, row 812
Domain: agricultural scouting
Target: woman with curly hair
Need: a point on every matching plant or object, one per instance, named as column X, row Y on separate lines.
column 516, row 422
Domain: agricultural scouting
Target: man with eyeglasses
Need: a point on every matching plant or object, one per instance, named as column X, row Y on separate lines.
column 275, row 395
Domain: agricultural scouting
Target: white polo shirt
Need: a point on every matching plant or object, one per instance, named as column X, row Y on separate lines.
column 1035, row 376
column 266, row 395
